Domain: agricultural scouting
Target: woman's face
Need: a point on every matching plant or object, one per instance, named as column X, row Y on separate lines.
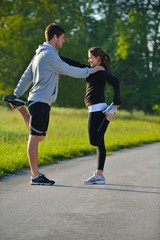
column 93, row 61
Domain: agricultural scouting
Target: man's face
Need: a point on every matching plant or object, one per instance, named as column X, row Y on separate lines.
column 60, row 41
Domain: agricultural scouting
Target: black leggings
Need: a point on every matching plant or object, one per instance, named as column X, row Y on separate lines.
column 97, row 125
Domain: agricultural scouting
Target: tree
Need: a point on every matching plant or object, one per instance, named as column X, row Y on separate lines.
column 128, row 30
column 137, row 52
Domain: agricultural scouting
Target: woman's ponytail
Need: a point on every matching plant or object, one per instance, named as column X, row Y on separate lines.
column 107, row 61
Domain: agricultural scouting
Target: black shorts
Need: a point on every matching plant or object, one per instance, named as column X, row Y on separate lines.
column 39, row 117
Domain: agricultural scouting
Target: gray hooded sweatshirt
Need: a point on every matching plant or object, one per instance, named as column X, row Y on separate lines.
column 43, row 73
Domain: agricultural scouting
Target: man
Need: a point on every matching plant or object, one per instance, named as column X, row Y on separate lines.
column 43, row 72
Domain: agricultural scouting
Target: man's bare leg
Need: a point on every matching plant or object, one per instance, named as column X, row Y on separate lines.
column 32, row 151
column 25, row 114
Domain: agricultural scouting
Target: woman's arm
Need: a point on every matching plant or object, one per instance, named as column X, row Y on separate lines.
column 73, row 62
column 112, row 80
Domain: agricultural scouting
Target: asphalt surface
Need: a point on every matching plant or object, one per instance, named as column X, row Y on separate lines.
column 126, row 208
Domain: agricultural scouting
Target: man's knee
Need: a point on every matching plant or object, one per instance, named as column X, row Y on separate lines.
column 36, row 138
column 41, row 138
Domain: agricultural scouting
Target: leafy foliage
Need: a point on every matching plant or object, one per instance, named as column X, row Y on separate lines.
column 128, row 30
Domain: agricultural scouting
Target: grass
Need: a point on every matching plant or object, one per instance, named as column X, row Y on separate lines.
column 67, row 136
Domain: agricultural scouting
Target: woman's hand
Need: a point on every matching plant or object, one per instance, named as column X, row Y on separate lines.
column 117, row 106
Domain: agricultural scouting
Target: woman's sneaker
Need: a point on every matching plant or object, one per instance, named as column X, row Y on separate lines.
column 41, row 180
column 111, row 109
column 95, row 179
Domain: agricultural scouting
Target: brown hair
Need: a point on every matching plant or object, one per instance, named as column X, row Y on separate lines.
column 53, row 29
column 104, row 56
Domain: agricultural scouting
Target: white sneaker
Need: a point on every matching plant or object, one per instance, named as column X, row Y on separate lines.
column 110, row 110
column 95, row 179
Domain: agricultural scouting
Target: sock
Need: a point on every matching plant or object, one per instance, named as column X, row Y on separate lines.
column 35, row 176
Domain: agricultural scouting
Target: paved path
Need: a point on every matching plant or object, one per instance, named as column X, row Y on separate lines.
column 127, row 208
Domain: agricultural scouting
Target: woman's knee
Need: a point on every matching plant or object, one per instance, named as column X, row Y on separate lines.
column 93, row 142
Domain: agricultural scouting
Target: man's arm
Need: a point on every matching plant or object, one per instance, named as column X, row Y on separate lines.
column 61, row 67
column 24, row 82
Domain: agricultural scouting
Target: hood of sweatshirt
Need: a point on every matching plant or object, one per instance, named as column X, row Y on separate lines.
column 43, row 47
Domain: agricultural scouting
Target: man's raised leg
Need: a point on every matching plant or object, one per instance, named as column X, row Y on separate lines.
column 25, row 114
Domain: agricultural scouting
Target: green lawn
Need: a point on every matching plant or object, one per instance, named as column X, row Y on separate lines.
column 67, row 136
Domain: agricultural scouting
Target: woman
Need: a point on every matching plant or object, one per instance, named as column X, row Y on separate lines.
column 99, row 113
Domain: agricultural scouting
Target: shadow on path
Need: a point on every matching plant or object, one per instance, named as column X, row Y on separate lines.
column 110, row 187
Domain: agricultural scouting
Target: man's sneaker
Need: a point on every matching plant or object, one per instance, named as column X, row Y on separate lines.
column 42, row 180
column 95, row 179
column 15, row 101
column 110, row 110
